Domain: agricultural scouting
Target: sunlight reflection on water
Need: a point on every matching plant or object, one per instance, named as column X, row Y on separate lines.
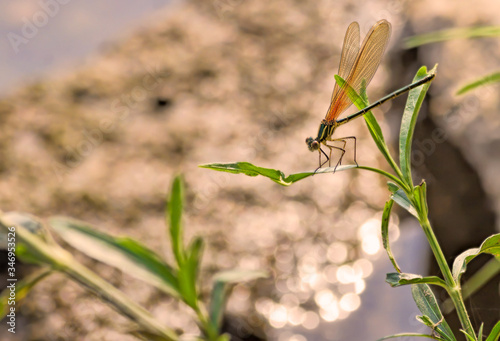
column 329, row 278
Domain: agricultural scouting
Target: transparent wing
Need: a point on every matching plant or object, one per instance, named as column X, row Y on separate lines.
column 350, row 51
column 363, row 67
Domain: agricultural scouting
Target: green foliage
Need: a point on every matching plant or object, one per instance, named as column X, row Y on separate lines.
column 135, row 259
column 273, row 174
column 450, row 34
column 490, row 246
column 410, row 115
column 428, row 306
column 174, row 217
column 123, row 253
column 396, row 279
column 413, row 199
column 460, row 33
column 495, row 333
column 485, row 80
column 385, row 233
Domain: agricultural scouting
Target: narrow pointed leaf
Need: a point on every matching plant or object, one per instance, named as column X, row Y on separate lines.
column 453, row 33
column 123, row 253
column 421, row 195
column 396, row 279
column 428, row 306
column 404, row 336
column 188, row 273
column 402, row 200
column 485, row 80
column 278, row 176
column 412, row 108
column 424, row 319
column 495, row 333
column 480, row 332
column 393, row 188
column 469, row 337
column 385, row 233
column 174, row 219
column 273, row 174
column 491, row 246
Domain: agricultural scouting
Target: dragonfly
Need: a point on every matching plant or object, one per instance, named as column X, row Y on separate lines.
column 358, row 64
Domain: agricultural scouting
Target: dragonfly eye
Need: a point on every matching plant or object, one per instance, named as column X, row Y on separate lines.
column 312, row 144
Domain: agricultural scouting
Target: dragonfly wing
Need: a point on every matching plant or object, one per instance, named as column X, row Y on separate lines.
column 363, row 68
column 350, row 51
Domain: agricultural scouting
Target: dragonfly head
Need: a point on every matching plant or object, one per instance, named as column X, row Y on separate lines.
column 312, row 144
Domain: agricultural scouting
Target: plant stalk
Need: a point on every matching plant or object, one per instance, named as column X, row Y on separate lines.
column 453, row 287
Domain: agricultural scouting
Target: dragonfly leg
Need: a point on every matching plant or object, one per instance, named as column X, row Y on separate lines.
column 321, row 164
column 342, row 150
column 344, row 141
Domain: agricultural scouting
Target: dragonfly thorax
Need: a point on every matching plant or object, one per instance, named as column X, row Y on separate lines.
column 324, row 132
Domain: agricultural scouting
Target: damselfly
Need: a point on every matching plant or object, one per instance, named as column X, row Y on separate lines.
column 357, row 66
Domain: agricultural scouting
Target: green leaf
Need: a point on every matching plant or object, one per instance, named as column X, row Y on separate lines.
column 428, row 306
column 385, row 233
column 424, row 319
column 278, row 176
column 28, row 221
column 33, row 242
column 396, row 279
column 402, row 200
column 485, row 80
column 491, row 246
column 495, row 333
column 413, row 104
column 174, row 219
column 223, row 282
column 273, row 174
column 123, row 253
column 361, row 102
column 454, row 33
column 480, row 332
column 469, row 337
column 420, row 200
column 393, row 188
column 188, row 273
column 22, row 288
column 32, row 226
column 421, row 191
column 406, row 335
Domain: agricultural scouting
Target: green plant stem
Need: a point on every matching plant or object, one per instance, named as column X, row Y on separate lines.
column 211, row 333
column 453, row 287
column 391, row 177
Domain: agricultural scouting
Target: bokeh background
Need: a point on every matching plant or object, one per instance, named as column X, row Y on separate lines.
column 103, row 103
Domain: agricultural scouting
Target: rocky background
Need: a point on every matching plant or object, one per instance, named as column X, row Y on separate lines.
column 234, row 80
